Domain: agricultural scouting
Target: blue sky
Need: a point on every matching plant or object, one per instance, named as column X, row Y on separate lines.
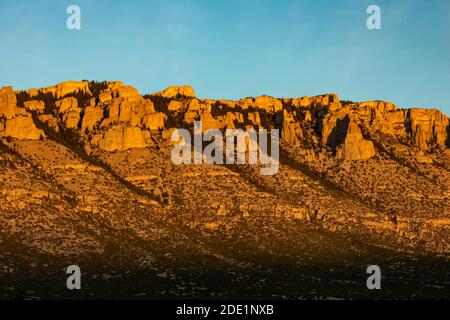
column 235, row 48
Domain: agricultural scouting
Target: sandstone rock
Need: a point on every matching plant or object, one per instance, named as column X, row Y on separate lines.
column 301, row 102
column 307, row 116
column 246, row 103
column 65, row 88
column 423, row 158
column 334, row 127
column 34, row 105
column 208, row 122
column 66, row 104
column 268, row 103
column 154, row 121
column 355, row 147
column 131, row 111
column 105, row 97
column 71, row 118
column 120, row 138
column 167, row 134
column 380, row 107
column 194, row 105
column 50, row 120
column 173, row 91
column 391, row 123
column 125, row 112
column 62, row 89
column 112, row 109
column 291, row 131
column 428, row 128
column 8, row 103
column 22, row 127
column 175, row 106
column 326, row 100
column 92, row 116
column 113, row 85
column 254, row 118
column 222, row 102
column 127, row 93
column 190, row 116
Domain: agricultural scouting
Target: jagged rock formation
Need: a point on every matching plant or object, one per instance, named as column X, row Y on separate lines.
column 8, row 103
column 87, row 172
column 175, row 91
column 355, row 147
column 62, row 89
column 17, row 122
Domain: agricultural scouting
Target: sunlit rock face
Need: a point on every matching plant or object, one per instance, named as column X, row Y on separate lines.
column 87, row 174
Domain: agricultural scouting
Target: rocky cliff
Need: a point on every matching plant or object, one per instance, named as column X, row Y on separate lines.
column 86, row 167
column 117, row 116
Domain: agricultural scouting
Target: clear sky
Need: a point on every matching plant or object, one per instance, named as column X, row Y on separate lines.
column 235, row 48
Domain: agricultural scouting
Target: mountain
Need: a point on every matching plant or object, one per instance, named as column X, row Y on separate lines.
column 88, row 179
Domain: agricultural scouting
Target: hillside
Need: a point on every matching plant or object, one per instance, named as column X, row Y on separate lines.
column 87, row 179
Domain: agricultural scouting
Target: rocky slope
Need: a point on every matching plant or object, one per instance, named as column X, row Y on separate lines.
column 87, row 178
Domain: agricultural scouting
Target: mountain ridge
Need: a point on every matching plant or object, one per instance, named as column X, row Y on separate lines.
column 87, row 175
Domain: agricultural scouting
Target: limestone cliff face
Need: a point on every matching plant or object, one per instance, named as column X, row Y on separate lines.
column 118, row 117
column 428, row 128
column 8, row 103
column 63, row 88
column 119, row 138
column 355, row 147
column 17, row 122
column 174, row 91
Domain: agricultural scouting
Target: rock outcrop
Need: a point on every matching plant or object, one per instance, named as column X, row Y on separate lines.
column 66, row 104
column 92, row 116
column 355, row 147
column 34, row 105
column 428, row 128
column 120, row 138
column 62, row 89
column 291, row 131
column 8, row 103
column 118, row 117
column 22, row 127
column 17, row 122
column 268, row 103
column 174, row 91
